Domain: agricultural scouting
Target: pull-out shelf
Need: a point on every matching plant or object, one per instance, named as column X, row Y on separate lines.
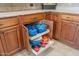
column 49, row 32
column 50, row 43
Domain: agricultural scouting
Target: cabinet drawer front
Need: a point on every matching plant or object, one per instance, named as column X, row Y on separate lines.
column 5, row 22
column 32, row 18
column 70, row 17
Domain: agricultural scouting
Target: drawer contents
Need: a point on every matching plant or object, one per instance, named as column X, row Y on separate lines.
column 39, row 43
column 45, row 40
column 40, row 34
column 34, row 29
column 39, row 37
column 41, row 27
column 35, row 44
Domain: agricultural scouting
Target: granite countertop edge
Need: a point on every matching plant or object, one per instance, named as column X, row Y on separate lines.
column 17, row 13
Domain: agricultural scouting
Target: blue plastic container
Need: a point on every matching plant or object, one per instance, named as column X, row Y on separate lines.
column 29, row 26
column 37, row 28
column 41, row 27
column 35, row 42
column 33, row 32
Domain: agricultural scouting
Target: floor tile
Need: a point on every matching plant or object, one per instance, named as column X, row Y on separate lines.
column 58, row 49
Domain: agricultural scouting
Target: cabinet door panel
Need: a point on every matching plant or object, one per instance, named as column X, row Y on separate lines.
column 68, row 31
column 1, row 47
column 11, row 40
column 77, row 37
column 57, row 24
column 26, row 38
column 57, row 29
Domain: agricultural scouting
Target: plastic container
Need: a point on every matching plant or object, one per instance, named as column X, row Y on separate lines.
column 41, row 27
column 33, row 32
column 29, row 26
column 36, row 42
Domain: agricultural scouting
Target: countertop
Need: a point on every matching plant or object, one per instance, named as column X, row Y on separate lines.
column 16, row 13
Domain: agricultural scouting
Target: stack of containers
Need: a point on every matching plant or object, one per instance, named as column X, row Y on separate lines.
column 33, row 30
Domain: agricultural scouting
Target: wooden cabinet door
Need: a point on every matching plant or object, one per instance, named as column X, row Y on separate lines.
column 56, row 24
column 57, row 29
column 68, row 30
column 11, row 39
column 77, row 37
column 26, row 38
column 1, row 46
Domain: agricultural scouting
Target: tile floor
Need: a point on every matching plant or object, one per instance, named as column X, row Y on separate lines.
column 58, row 49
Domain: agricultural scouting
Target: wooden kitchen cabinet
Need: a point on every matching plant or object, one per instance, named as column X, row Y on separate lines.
column 52, row 16
column 77, row 37
column 11, row 39
column 68, row 30
column 25, row 37
column 26, row 19
column 57, row 29
column 1, row 47
column 57, row 23
column 48, row 16
column 8, row 22
column 10, row 35
column 65, row 28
